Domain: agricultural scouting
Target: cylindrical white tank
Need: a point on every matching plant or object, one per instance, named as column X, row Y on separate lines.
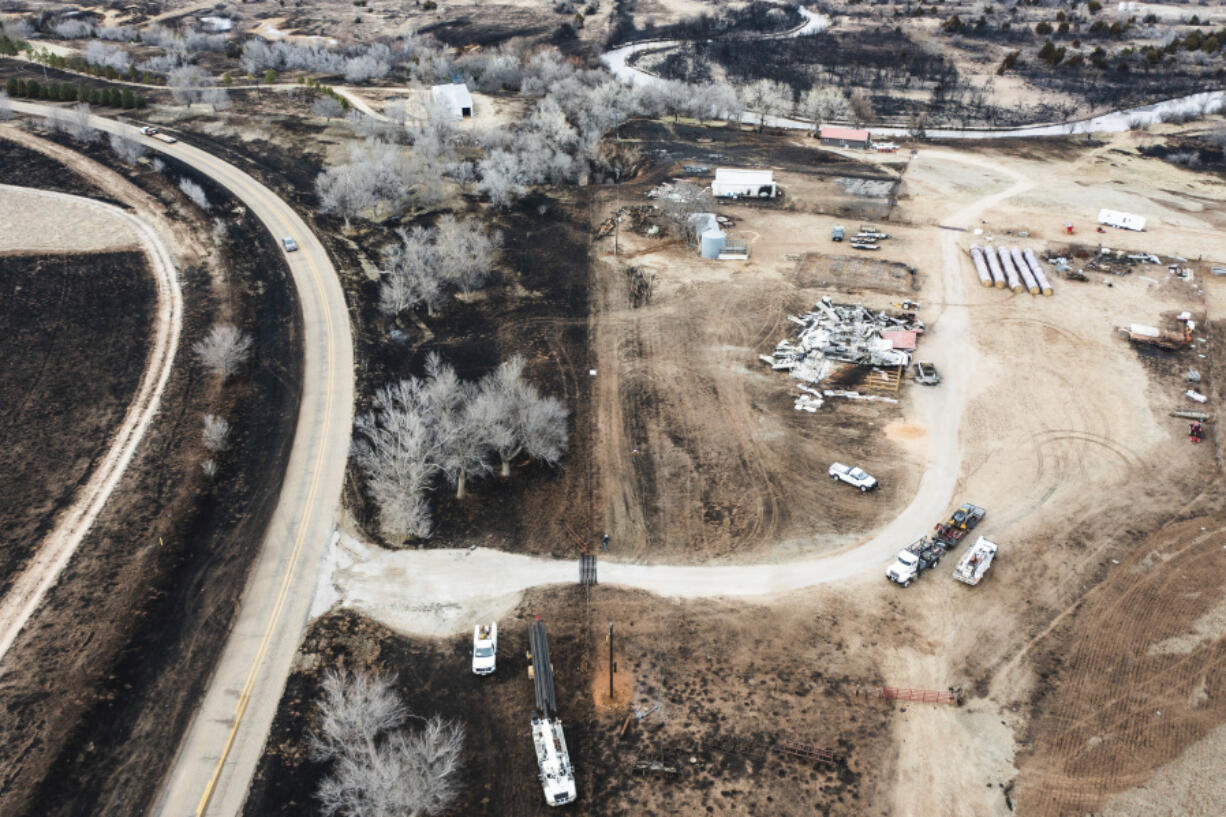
column 1037, row 269
column 1019, row 261
column 998, row 274
column 712, row 243
column 1015, row 281
column 981, row 267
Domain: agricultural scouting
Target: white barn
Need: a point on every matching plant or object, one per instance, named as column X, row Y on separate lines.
column 736, row 183
column 455, row 98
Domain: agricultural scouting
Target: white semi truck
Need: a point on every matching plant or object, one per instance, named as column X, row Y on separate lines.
column 975, row 562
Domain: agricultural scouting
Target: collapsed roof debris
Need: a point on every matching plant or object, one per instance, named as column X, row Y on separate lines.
column 836, row 334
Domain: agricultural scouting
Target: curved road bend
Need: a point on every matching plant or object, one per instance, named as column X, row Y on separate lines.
column 56, row 550
column 219, row 754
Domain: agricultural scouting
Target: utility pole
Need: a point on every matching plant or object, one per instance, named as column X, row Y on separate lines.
column 610, row 662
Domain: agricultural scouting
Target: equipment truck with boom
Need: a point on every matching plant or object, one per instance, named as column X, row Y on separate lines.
column 975, row 562
column 914, row 559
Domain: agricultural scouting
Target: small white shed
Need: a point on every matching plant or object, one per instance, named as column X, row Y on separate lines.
column 1125, row 221
column 455, row 98
column 737, row 183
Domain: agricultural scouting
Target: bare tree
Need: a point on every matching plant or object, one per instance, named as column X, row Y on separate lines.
column 823, row 105
column 187, row 83
column 378, row 768
column 6, row 107
column 217, row 98
column 861, row 107
column 194, row 192
column 410, row 274
column 128, row 150
column 465, row 252
column 518, row 419
column 223, row 350
column 400, row 446
column 355, row 710
column 215, row 433
column 467, row 438
column 327, row 107
column 766, row 98
column 75, row 122
column 209, row 467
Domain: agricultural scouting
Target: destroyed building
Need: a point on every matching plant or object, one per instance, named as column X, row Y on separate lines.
column 834, row 335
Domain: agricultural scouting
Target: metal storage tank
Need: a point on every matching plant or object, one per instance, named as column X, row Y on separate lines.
column 712, row 243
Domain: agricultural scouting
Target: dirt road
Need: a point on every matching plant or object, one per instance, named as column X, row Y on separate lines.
column 219, row 753
column 436, row 592
column 57, row 549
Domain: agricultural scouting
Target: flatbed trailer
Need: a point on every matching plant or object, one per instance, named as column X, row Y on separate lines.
column 960, row 523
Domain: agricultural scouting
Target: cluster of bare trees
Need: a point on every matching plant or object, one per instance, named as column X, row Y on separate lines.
column 108, row 56
column 421, row 428
column 429, row 263
column 128, row 150
column 378, row 181
column 380, row 768
column 74, row 122
column 222, row 351
column 190, row 83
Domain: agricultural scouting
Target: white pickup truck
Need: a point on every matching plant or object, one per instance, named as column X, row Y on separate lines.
column 485, row 648
column 853, row 476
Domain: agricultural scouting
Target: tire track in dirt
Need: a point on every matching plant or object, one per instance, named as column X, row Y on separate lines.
column 43, row 570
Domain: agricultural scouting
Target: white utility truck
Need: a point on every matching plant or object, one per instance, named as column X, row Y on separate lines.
column 485, row 648
column 975, row 562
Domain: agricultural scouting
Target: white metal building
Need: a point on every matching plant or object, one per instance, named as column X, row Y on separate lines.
column 455, row 98
column 736, row 183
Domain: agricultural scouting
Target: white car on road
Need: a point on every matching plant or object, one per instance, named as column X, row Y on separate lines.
column 853, row 476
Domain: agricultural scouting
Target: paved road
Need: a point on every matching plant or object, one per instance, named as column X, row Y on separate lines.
column 218, row 756
column 54, row 553
column 440, row 592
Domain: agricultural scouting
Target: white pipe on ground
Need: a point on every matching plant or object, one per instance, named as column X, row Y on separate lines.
column 1006, row 261
column 998, row 274
column 985, row 277
column 1037, row 269
column 1019, row 261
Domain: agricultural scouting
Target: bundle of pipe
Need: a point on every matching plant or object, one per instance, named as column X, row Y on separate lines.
column 998, row 274
column 1037, row 269
column 985, row 277
column 1019, row 261
column 1015, row 281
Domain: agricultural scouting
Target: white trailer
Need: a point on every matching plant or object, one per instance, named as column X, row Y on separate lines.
column 975, row 562
column 1124, row 221
column 740, row 183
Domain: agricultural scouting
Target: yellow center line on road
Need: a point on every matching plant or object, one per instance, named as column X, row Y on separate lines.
column 236, row 184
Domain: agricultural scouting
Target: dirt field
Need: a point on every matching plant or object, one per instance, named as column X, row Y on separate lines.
column 718, row 680
column 70, row 328
column 1065, row 438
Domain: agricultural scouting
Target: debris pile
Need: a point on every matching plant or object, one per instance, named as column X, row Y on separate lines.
column 639, row 219
column 868, row 238
column 836, row 334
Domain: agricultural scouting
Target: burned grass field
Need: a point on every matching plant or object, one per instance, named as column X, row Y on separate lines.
column 73, row 332
column 100, row 685
column 716, row 686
